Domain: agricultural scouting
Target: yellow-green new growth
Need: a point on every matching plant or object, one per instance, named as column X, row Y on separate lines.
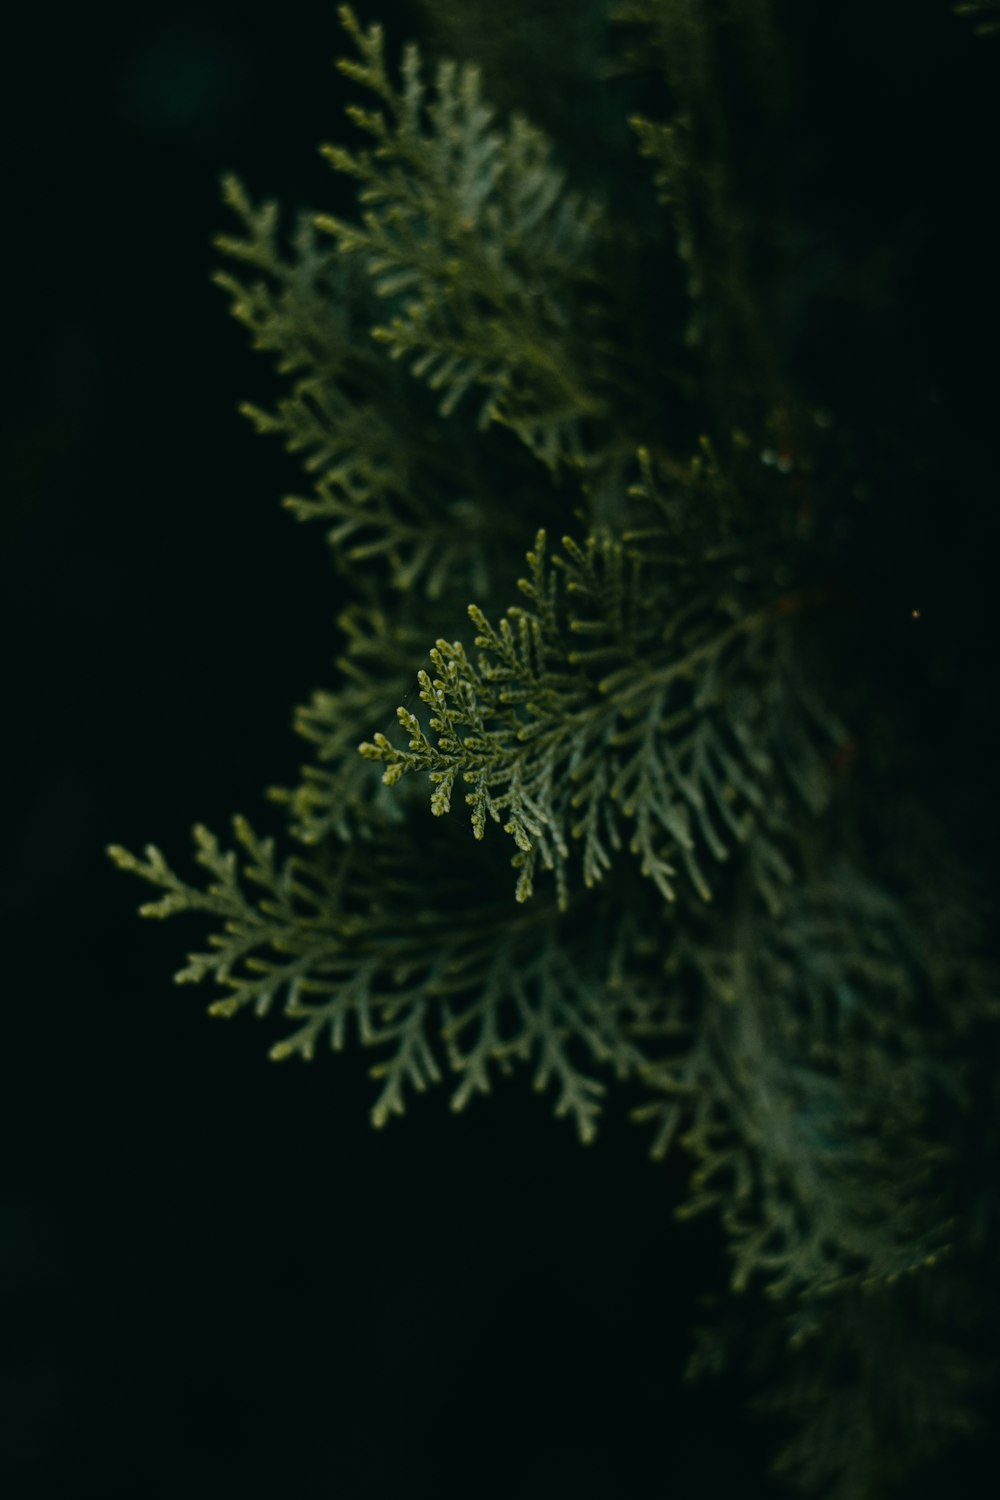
column 684, row 713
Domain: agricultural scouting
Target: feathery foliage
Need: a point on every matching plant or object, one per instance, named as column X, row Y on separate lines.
column 748, row 915
column 682, row 724
column 476, row 228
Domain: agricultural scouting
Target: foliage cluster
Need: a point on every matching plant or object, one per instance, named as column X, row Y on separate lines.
column 714, row 893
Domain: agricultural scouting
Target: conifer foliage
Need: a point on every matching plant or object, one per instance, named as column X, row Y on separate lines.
column 590, row 525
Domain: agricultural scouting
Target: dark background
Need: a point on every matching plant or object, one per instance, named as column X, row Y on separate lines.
column 215, row 1278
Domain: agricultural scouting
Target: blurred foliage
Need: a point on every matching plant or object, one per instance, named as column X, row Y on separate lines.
column 707, row 717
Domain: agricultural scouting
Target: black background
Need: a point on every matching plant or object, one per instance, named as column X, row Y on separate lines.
column 215, row 1278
